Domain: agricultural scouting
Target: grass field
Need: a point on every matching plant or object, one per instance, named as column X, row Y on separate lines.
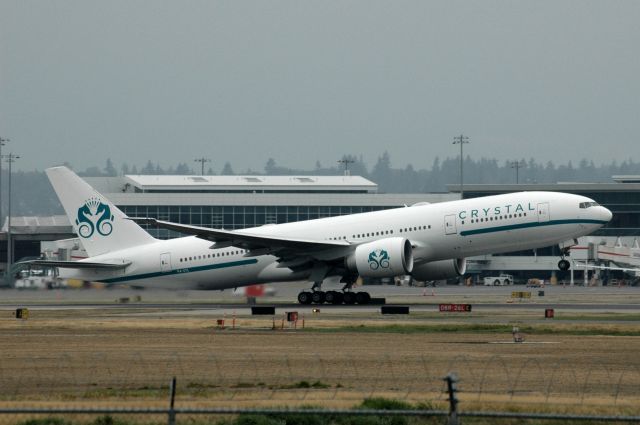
column 105, row 357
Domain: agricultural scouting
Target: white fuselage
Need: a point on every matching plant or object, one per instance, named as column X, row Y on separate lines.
column 447, row 230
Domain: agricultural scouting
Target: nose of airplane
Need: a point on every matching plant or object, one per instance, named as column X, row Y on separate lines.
column 606, row 214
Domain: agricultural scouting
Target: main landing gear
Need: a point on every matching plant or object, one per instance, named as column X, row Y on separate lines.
column 564, row 264
column 317, row 296
column 333, row 297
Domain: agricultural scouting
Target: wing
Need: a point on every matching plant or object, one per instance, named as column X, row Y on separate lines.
column 76, row 264
column 258, row 244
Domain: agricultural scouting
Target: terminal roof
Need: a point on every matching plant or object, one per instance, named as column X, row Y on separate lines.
column 35, row 225
column 626, row 179
column 169, row 183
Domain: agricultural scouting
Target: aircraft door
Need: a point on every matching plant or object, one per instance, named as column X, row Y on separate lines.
column 165, row 262
column 543, row 212
column 450, row 224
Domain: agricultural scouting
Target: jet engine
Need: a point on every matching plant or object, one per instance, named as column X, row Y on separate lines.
column 443, row 269
column 387, row 257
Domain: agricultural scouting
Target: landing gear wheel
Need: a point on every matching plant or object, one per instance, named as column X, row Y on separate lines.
column 318, row 297
column 363, row 298
column 329, row 297
column 349, row 298
column 304, row 298
column 564, row 264
column 339, row 298
column 333, row 297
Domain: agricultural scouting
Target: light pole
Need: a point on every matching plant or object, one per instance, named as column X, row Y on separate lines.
column 517, row 165
column 461, row 140
column 11, row 158
column 2, row 143
column 202, row 161
column 346, row 161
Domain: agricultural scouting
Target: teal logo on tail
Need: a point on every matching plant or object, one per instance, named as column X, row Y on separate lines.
column 94, row 216
column 378, row 259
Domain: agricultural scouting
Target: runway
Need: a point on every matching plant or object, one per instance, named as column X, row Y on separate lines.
column 341, row 308
column 426, row 300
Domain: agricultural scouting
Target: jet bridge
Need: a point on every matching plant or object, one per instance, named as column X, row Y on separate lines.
column 609, row 253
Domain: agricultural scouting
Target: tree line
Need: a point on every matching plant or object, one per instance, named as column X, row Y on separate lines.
column 34, row 196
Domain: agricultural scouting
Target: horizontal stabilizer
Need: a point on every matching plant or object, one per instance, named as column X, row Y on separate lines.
column 76, row 264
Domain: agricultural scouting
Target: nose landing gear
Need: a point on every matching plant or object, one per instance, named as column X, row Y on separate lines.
column 564, row 264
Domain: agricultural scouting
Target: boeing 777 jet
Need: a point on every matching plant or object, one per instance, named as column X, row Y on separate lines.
column 427, row 241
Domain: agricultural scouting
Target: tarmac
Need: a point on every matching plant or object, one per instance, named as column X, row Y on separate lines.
column 484, row 299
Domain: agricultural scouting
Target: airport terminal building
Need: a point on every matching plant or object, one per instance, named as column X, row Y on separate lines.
column 236, row 202
column 227, row 202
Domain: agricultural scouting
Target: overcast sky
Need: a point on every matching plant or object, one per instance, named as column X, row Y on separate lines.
column 298, row 81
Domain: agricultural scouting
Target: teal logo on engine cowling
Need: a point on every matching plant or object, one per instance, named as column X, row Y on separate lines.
column 378, row 259
column 94, row 216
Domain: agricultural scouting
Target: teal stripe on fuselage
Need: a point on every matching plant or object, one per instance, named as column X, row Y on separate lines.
column 180, row 271
column 528, row 225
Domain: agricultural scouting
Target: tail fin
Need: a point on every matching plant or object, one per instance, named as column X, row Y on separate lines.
column 101, row 226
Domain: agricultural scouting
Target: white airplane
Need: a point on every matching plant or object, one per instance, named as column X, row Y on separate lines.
column 427, row 241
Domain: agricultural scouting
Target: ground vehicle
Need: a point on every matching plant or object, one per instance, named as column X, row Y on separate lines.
column 535, row 283
column 37, row 279
column 503, row 279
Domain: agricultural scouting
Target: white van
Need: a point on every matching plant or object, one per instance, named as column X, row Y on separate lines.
column 503, row 279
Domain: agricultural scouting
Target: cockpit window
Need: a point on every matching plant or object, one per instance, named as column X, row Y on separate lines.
column 584, row 205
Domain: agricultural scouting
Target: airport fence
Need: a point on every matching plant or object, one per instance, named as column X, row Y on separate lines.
column 81, row 383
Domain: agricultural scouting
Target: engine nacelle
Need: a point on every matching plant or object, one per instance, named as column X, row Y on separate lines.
column 387, row 257
column 443, row 269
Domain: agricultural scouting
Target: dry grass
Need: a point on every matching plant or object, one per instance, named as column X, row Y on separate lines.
column 98, row 358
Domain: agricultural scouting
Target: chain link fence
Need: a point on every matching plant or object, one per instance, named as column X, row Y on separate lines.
column 139, row 384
